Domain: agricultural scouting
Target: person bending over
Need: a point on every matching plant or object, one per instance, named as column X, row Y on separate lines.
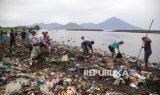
column 86, row 45
column 45, row 41
column 113, row 46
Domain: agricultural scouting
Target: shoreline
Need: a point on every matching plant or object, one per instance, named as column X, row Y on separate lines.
column 101, row 30
column 138, row 31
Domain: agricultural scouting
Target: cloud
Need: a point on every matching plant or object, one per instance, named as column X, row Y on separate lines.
column 136, row 12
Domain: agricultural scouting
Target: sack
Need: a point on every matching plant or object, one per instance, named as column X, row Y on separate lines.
column 119, row 55
column 35, row 52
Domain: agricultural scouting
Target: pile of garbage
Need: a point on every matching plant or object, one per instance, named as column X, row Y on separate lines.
column 63, row 73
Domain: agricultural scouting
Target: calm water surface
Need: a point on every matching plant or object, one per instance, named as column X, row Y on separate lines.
column 131, row 46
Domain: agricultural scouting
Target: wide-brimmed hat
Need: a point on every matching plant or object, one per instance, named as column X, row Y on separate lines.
column 33, row 32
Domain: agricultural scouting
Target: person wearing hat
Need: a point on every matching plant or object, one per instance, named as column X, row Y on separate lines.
column 35, row 43
column 147, row 49
column 113, row 46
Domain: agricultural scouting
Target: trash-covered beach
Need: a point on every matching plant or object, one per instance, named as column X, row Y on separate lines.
column 62, row 73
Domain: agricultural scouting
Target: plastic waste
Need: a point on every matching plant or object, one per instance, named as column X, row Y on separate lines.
column 72, row 69
column 3, row 81
column 119, row 55
column 1, row 64
column 54, row 79
column 64, row 58
column 109, row 64
column 118, row 81
column 68, row 80
column 35, row 52
column 92, row 58
column 133, row 85
column 141, row 77
column 15, row 86
column 114, row 93
column 56, row 59
column 133, row 78
column 92, row 89
column 71, row 90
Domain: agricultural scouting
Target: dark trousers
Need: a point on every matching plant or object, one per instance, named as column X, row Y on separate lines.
column 85, row 49
column 12, row 42
column 146, row 57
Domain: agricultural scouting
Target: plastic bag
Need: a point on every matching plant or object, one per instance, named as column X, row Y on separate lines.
column 119, row 55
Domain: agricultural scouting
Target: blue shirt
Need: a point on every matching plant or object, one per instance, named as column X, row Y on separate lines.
column 28, row 35
column 86, row 43
column 4, row 37
column 115, row 45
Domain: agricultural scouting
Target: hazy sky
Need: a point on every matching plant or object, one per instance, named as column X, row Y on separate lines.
column 26, row 12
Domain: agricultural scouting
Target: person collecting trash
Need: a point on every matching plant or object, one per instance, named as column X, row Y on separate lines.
column 147, row 49
column 35, row 43
column 113, row 46
column 86, row 45
column 46, row 41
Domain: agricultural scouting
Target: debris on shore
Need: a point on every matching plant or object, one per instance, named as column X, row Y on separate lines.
column 62, row 73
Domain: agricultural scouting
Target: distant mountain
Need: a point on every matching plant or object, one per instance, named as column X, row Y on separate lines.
column 48, row 26
column 89, row 25
column 111, row 24
column 71, row 26
column 115, row 24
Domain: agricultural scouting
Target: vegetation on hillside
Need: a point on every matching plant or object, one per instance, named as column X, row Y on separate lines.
column 19, row 28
